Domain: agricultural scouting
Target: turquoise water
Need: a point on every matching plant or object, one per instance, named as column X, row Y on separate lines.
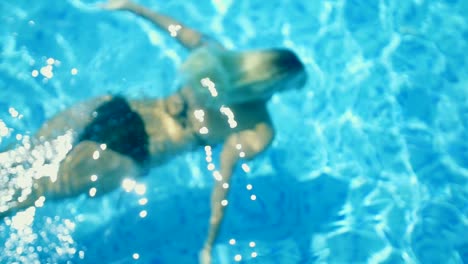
column 370, row 160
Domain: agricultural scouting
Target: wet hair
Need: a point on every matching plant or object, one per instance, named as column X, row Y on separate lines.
column 288, row 60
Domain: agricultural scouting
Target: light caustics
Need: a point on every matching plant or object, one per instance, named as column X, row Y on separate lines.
column 47, row 71
column 130, row 185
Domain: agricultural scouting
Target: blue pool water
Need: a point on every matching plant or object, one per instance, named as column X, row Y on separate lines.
column 370, row 159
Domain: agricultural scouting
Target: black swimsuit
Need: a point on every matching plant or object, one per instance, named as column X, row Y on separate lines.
column 121, row 129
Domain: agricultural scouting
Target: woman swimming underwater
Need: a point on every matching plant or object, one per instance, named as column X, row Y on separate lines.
column 222, row 100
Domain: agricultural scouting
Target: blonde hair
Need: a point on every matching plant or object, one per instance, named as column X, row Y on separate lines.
column 221, row 77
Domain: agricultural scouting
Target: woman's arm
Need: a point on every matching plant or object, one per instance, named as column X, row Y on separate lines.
column 188, row 37
column 245, row 144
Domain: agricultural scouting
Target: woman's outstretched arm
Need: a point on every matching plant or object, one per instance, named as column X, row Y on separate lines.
column 245, row 144
column 188, row 37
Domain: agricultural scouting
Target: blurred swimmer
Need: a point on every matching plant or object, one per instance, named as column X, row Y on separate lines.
column 222, row 100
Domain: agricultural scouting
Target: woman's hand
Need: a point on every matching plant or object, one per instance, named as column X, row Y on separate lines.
column 205, row 255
